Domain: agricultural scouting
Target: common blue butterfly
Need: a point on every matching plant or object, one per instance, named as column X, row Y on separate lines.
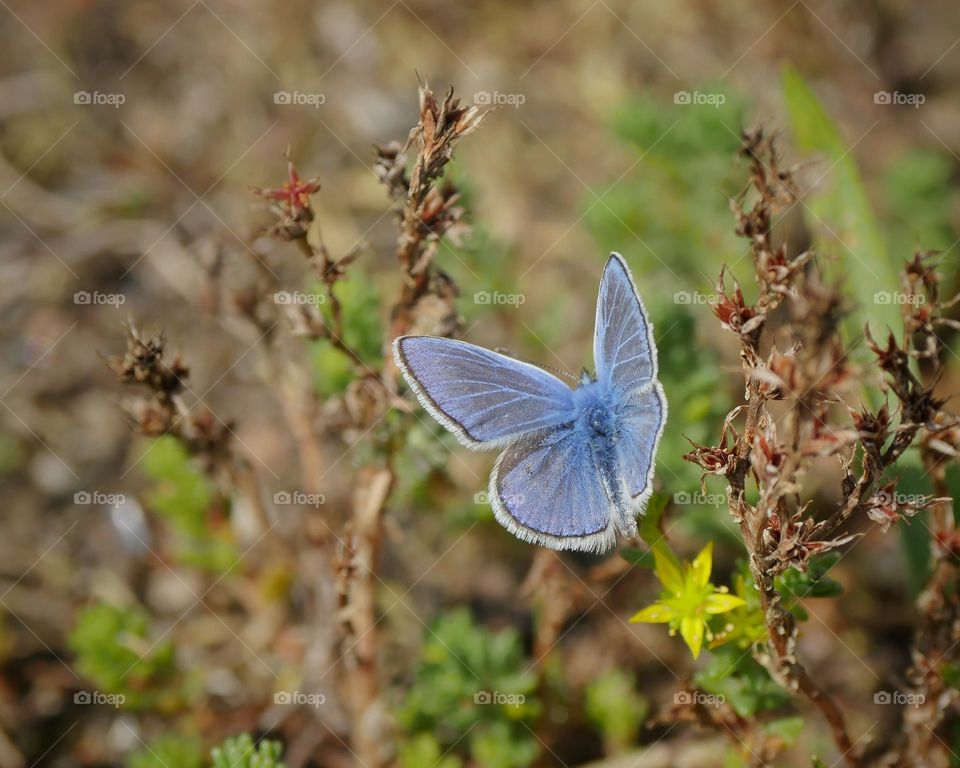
column 576, row 464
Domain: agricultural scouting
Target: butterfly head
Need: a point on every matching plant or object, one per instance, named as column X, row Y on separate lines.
column 586, row 377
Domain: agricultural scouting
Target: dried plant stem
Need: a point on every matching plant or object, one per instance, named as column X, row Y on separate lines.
column 429, row 212
column 781, row 627
column 774, row 534
column 936, row 642
column 358, row 581
column 811, row 378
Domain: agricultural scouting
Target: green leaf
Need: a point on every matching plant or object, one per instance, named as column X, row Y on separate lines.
column 787, row 729
column 649, row 528
column 950, row 672
column 745, row 685
column 795, row 585
column 634, row 556
column 180, row 492
column 915, row 538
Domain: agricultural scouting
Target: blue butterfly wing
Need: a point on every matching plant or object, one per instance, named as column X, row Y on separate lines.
column 640, row 420
column 546, row 489
column 623, row 348
column 486, row 399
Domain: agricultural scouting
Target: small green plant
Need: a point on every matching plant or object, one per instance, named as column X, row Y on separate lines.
column 470, row 679
column 173, row 750
column 115, row 651
column 424, row 749
column 185, row 498
column 241, row 752
column 359, row 307
column 169, row 750
column 616, row 709
column 740, row 681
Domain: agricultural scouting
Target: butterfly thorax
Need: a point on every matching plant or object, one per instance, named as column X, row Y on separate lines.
column 593, row 410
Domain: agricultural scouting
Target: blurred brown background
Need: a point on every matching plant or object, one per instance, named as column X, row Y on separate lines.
column 130, row 133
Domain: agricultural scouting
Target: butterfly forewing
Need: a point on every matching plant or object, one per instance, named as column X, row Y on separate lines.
column 623, row 349
column 483, row 397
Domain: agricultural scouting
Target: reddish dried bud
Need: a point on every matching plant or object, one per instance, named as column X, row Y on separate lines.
column 888, row 506
column 767, row 456
column 891, row 358
column 782, row 375
column 291, row 204
column 873, row 427
column 733, row 311
column 918, row 270
column 714, row 461
column 792, row 544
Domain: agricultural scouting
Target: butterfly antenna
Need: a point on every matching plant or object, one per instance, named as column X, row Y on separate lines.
column 558, row 371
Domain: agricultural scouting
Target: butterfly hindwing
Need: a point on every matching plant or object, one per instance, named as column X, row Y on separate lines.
column 546, row 489
column 640, row 420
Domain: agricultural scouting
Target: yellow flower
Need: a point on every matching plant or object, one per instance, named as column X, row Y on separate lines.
column 689, row 599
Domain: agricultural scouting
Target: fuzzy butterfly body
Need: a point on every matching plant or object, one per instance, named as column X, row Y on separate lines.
column 576, row 465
